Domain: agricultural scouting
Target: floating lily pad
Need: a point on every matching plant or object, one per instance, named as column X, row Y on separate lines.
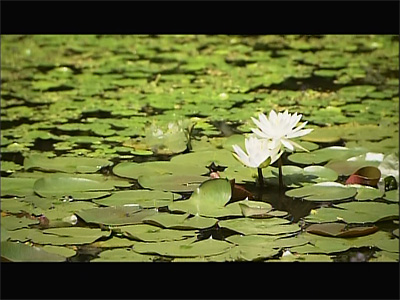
column 12, row 222
column 175, row 221
column 78, row 187
column 326, row 191
column 355, row 212
column 340, row 230
column 17, row 186
column 123, row 255
column 185, row 248
column 209, row 196
column 67, row 236
column 65, row 164
column 119, row 215
column 171, row 183
column 272, row 226
column 143, row 198
column 19, row 252
column 150, row 233
column 62, row 251
column 324, row 155
column 392, row 196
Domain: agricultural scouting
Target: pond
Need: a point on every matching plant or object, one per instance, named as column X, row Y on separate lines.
column 124, row 148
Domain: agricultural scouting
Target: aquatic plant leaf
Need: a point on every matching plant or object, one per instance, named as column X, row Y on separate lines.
column 365, row 176
column 185, row 248
column 355, row 212
column 392, row 196
column 368, row 193
column 17, row 186
column 65, row 164
column 323, row 192
column 59, row 185
column 150, row 233
column 114, row 242
column 153, row 168
column 143, row 198
column 19, row 252
column 171, row 183
column 67, row 236
column 13, row 222
column 325, row 155
column 123, row 255
column 62, row 251
column 118, row 215
column 174, row 221
column 211, row 195
column 271, row 226
column 340, row 230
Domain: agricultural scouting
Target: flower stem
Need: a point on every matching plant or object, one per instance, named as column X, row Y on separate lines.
column 280, row 175
column 260, row 178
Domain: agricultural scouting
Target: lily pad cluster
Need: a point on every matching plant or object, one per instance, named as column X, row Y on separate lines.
column 121, row 147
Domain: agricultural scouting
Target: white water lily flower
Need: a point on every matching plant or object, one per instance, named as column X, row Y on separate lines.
column 258, row 152
column 280, row 128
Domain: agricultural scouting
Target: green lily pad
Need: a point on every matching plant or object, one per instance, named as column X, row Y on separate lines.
column 118, row 215
column 175, row 221
column 143, row 198
column 12, row 222
column 355, row 212
column 272, row 226
column 326, row 191
column 114, row 242
column 171, row 182
column 368, row 193
column 62, row 251
column 67, row 236
column 17, row 186
column 210, row 195
column 78, row 187
column 123, row 255
column 185, row 248
column 150, row 233
column 392, row 196
column 324, row 155
column 19, row 252
column 135, row 170
column 340, row 230
column 65, row 164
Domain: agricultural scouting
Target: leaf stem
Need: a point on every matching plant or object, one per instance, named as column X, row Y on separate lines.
column 280, row 175
column 260, row 178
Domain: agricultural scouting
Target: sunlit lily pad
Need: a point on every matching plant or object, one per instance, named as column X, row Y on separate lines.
column 143, row 198
column 175, row 221
column 12, row 222
column 78, row 187
column 150, row 233
column 65, row 164
column 272, row 226
column 119, row 215
column 392, row 196
column 323, row 192
column 355, row 212
column 67, row 236
column 123, row 255
column 172, row 183
column 185, row 248
column 19, row 252
column 340, row 230
column 17, row 186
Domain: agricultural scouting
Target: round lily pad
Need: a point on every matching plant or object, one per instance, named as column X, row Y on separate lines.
column 323, row 192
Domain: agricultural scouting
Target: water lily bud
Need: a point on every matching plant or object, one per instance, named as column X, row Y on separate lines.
column 71, row 219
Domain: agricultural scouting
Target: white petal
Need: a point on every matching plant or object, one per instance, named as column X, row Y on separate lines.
column 260, row 133
column 299, row 133
column 241, row 155
column 287, row 144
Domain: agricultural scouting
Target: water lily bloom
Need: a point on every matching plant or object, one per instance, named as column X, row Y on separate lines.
column 260, row 152
column 280, row 128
